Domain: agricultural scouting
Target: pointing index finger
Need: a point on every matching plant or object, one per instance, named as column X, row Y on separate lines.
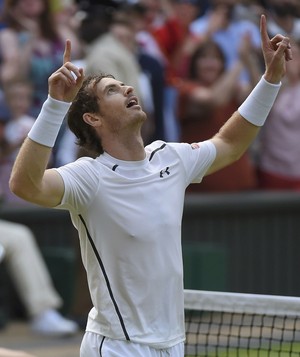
column 263, row 30
column 67, row 52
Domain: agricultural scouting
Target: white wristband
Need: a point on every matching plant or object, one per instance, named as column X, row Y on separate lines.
column 46, row 127
column 257, row 106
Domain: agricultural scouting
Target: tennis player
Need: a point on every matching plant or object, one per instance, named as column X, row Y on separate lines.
column 127, row 204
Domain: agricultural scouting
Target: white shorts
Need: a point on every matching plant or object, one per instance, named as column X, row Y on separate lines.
column 94, row 345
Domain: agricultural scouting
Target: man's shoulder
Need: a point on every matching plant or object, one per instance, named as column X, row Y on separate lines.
column 165, row 149
column 160, row 145
column 83, row 170
column 81, row 162
column 155, row 144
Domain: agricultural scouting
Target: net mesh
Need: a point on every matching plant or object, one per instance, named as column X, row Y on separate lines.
column 230, row 324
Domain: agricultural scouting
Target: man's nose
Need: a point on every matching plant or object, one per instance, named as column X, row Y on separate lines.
column 128, row 89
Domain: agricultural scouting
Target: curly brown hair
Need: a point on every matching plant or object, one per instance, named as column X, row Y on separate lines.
column 86, row 101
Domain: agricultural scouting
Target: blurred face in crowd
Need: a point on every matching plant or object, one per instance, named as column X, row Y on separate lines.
column 19, row 98
column 153, row 9
column 226, row 7
column 207, row 63
column 224, row 3
column 187, row 11
column 284, row 7
column 30, row 8
column 124, row 33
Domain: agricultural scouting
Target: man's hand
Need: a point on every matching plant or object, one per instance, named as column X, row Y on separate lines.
column 63, row 85
column 276, row 52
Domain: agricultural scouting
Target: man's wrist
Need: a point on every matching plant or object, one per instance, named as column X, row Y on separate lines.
column 56, row 105
column 257, row 106
column 46, row 127
column 271, row 79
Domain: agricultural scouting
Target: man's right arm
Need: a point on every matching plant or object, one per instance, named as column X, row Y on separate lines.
column 30, row 178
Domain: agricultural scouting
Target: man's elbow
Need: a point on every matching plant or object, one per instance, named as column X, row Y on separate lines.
column 34, row 192
column 14, row 186
column 17, row 187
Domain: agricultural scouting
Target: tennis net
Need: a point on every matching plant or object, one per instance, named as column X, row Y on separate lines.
column 220, row 324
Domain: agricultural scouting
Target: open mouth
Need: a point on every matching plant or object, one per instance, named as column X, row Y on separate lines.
column 132, row 102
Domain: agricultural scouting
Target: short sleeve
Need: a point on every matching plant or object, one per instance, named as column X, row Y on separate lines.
column 196, row 159
column 81, row 183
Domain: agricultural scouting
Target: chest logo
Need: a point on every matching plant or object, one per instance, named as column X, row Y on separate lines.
column 164, row 172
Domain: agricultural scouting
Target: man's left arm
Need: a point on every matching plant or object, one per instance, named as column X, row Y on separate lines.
column 237, row 134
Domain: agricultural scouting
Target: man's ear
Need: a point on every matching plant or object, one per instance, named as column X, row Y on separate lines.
column 92, row 119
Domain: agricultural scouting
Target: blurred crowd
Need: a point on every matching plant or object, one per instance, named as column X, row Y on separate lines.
column 191, row 62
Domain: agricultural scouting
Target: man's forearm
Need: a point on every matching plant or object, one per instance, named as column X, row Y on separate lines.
column 29, row 168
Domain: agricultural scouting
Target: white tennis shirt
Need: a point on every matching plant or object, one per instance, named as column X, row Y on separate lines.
column 128, row 215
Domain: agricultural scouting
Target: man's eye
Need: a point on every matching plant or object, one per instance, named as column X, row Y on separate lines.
column 111, row 90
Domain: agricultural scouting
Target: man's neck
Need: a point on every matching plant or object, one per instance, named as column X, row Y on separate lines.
column 127, row 150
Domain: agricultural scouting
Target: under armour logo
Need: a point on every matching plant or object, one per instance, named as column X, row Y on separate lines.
column 166, row 171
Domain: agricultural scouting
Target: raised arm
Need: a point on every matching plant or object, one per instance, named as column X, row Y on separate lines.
column 30, row 179
column 239, row 131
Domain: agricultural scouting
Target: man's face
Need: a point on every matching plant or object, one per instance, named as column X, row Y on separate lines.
column 119, row 106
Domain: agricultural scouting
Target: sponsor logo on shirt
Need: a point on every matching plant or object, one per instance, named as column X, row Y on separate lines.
column 195, row 146
column 164, row 172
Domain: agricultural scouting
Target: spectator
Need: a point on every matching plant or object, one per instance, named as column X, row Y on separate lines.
column 95, row 21
column 151, row 67
column 36, row 45
column 189, row 41
column 162, row 35
column 18, row 96
column 219, row 24
column 206, row 101
column 3, row 121
column 116, row 52
column 67, row 19
column 4, row 352
column 168, row 24
column 283, row 18
column 32, row 281
column 250, row 10
column 278, row 145
column 144, row 26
